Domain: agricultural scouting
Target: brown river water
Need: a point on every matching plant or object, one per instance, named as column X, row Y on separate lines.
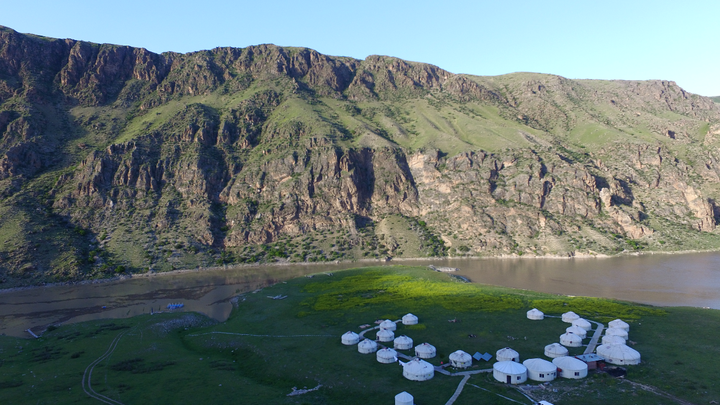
column 667, row 280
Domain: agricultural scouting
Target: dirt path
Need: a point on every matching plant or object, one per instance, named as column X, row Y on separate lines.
column 650, row 388
column 87, row 375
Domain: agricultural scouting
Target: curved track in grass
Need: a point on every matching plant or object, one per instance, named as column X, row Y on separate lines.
column 87, row 375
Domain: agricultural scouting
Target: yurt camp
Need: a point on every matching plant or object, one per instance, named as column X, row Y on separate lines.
column 535, row 315
column 555, row 350
column 510, row 372
column 617, row 332
column 613, row 340
column 540, row 370
column 460, row 359
column 582, row 323
column 409, row 319
column 386, row 356
column 577, row 330
column 404, row 398
column 403, row 343
column 367, row 346
column 388, row 324
column 350, row 338
column 507, row 354
column 570, row 340
column 570, row 367
column 619, row 324
column 619, row 354
column 418, row 370
column 425, row 351
column 569, row 317
column 385, row 335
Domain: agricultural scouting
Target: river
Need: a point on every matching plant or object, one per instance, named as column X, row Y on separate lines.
column 667, row 280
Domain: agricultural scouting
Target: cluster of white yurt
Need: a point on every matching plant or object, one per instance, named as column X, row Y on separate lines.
column 570, row 340
column 386, row 355
column 510, row 372
column 570, row 367
column 388, row 324
column 367, row 346
column 425, row 351
column 619, row 324
column 613, row 340
column 404, row 398
column 535, row 314
column 403, row 343
column 507, row 354
column 540, row 370
column 554, row 350
column 418, row 370
column 350, row 338
column 385, row 335
column 569, row 317
column 617, row 332
column 460, row 359
column 582, row 323
column 619, row 354
column 409, row 319
column 577, row 331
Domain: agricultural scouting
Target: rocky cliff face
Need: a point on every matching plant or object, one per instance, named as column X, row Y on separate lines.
column 115, row 159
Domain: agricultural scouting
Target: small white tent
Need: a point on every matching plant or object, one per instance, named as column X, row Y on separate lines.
column 582, row 323
column 386, row 356
column 460, row 359
column 617, row 332
column 570, row 340
column 409, row 319
column 576, row 330
column 540, row 370
column 570, row 367
column 619, row 354
column 554, row 350
column 350, row 338
column 507, row 354
column 425, row 351
column 535, row 314
column 403, row 343
column 569, row 317
column 619, row 324
column 418, row 370
column 510, row 372
column 404, row 398
column 613, row 340
column 367, row 346
column 385, row 335
column 388, row 324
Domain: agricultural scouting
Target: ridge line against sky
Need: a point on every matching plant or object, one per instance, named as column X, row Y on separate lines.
column 626, row 40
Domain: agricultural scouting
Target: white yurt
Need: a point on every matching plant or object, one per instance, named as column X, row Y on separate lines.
column 576, row 330
column 617, row 332
column 350, row 338
column 404, row 398
column 418, row 370
column 367, row 346
column 385, row 335
column 554, row 350
column 409, row 319
column 619, row 354
column 425, row 351
column 570, row 367
column 510, row 372
column 388, row 324
column 613, row 340
column 570, row 340
column 507, row 354
column 540, row 370
column 569, row 317
column 386, row 356
column 403, row 343
column 535, row 314
column 582, row 323
column 460, row 359
column 619, row 324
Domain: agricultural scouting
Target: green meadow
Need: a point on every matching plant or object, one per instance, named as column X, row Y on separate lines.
column 268, row 347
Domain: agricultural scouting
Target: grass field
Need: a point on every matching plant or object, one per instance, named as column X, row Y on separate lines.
column 267, row 347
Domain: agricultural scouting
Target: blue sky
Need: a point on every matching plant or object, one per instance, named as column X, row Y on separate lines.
column 633, row 40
